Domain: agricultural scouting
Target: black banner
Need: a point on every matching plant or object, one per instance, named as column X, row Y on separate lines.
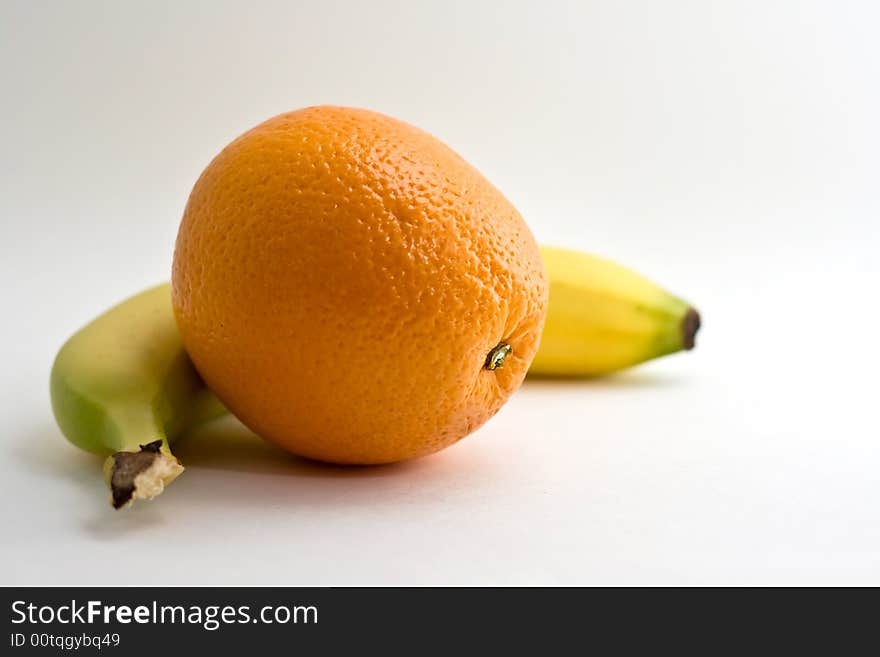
column 412, row 621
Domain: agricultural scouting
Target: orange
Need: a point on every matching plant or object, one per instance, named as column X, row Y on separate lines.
column 340, row 278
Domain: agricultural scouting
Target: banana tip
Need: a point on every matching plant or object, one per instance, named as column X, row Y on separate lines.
column 690, row 325
column 140, row 475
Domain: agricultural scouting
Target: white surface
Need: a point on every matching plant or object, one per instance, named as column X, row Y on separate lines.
column 727, row 149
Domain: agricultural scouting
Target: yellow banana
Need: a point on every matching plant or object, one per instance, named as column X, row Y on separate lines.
column 603, row 317
column 124, row 386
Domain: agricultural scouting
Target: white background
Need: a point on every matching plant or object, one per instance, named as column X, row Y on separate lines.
column 729, row 150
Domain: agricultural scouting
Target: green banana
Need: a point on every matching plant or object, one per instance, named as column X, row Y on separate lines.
column 603, row 317
column 124, row 386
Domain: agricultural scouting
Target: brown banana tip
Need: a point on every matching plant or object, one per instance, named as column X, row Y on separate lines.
column 689, row 326
column 127, row 466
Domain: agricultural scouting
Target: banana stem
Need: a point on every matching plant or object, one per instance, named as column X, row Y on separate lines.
column 140, row 475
